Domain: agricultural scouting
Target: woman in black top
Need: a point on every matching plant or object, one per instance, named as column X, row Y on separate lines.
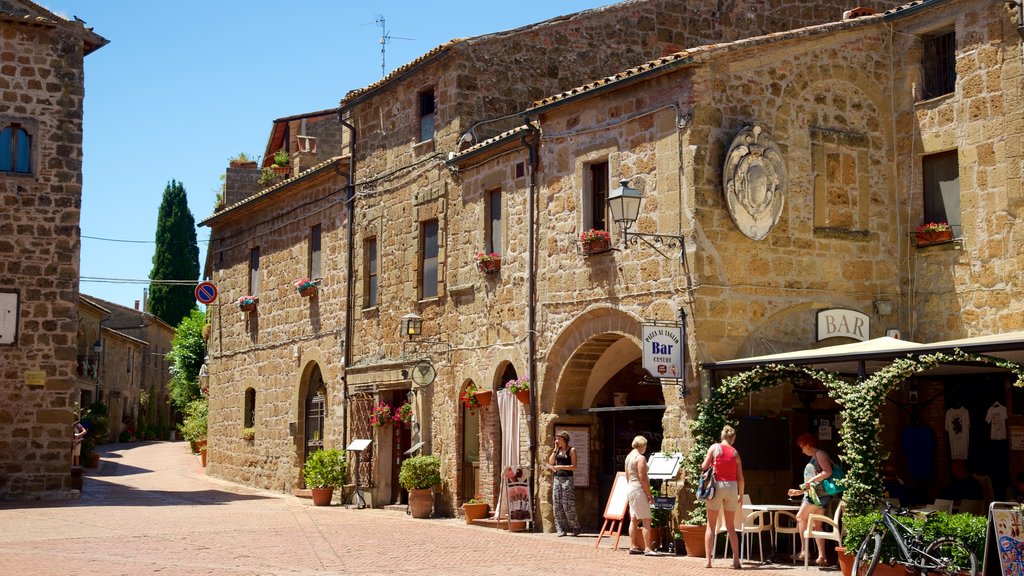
column 563, row 493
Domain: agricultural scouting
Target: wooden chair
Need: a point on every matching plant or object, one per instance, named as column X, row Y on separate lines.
column 830, row 530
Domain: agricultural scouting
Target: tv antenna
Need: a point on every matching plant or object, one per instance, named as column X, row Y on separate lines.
column 385, row 37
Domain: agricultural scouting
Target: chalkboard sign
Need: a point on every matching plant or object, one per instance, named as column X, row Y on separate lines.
column 618, row 500
column 763, row 443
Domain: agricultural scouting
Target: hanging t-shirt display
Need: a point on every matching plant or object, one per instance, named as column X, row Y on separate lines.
column 958, row 426
column 996, row 417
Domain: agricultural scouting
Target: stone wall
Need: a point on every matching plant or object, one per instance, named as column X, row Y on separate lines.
column 41, row 87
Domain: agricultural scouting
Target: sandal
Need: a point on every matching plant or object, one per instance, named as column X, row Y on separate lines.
column 797, row 558
column 823, row 562
column 636, row 550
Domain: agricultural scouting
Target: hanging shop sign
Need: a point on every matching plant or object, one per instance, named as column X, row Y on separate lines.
column 663, row 351
column 842, row 323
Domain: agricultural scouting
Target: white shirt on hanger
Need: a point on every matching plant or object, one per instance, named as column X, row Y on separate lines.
column 996, row 417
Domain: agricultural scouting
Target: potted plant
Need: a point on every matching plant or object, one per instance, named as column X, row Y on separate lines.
column 520, row 387
column 417, row 475
column 488, row 263
column 247, row 303
column 659, row 523
column 470, row 399
column 403, row 413
column 475, row 509
column 324, row 471
column 241, row 160
column 968, row 528
column 693, row 530
column 281, row 157
column 194, row 426
column 482, row 397
column 595, row 241
column 268, row 177
column 97, row 425
column 380, row 415
column 677, row 543
column 306, row 287
column 934, row 233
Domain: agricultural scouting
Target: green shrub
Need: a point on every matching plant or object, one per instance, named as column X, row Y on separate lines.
column 267, row 177
column 325, row 469
column 420, row 472
column 968, row 528
column 194, row 426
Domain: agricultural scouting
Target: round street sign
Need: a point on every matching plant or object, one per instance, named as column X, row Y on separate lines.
column 206, row 292
column 423, row 374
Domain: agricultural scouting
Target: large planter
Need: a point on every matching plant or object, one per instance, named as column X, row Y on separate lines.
column 597, row 246
column 926, row 238
column 845, row 561
column 523, row 396
column 484, row 397
column 94, row 460
column 421, row 502
column 475, row 511
column 693, row 537
column 322, row 496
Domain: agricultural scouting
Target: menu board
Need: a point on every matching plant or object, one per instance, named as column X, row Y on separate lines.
column 517, row 494
column 618, row 500
column 579, row 438
column 1009, row 539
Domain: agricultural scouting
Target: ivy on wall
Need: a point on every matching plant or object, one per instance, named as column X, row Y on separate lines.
column 861, row 402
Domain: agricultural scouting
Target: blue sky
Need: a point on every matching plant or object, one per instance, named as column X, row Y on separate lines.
column 185, row 85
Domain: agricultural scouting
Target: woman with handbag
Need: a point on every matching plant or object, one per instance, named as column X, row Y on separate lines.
column 728, row 493
column 815, row 498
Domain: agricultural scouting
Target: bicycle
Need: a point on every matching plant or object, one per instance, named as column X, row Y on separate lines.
column 945, row 557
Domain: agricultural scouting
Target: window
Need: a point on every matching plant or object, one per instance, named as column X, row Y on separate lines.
column 314, row 252
column 427, row 107
column 942, row 189
column 595, row 198
column 939, row 64
column 492, row 234
column 370, row 273
column 15, row 149
column 428, row 267
column 254, row 271
column 249, row 415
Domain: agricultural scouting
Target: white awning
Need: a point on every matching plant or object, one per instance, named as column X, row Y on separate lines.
column 872, row 355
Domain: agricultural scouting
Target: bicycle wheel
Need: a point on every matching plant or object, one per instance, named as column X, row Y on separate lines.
column 867, row 555
column 952, row 558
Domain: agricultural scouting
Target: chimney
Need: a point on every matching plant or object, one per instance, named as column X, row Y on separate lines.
column 305, row 156
column 240, row 182
column 136, row 305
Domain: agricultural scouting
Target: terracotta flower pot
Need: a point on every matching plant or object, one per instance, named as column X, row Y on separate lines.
column 202, row 455
column 489, row 266
column 693, row 537
column 421, row 503
column 308, row 291
column 322, row 496
column 926, row 238
column 845, row 561
column 597, row 246
column 475, row 511
column 484, row 397
column 523, row 396
column 247, row 307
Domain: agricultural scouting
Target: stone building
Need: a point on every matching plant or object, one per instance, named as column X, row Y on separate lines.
column 475, row 148
column 41, row 97
column 142, row 371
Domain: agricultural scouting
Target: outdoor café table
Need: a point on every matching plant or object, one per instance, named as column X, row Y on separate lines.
column 774, row 509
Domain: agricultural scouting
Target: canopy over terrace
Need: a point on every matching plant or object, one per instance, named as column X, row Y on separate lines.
column 865, row 358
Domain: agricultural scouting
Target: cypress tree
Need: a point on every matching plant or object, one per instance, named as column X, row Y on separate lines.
column 176, row 257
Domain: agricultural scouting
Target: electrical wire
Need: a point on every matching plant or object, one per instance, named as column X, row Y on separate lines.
column 133, row 281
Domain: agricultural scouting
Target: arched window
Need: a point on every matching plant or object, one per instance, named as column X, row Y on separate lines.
column 15, row 149
column 249, row 416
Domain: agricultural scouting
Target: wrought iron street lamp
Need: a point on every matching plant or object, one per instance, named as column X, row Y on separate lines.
column 624, row 204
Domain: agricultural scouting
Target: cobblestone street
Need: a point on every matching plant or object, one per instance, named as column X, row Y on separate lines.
column 150, row 509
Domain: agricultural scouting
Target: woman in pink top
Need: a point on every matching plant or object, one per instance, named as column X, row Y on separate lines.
column 728, row 492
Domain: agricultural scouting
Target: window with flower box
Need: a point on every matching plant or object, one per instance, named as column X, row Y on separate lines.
column 254, row 271
column 493, row 232
column 941, row 177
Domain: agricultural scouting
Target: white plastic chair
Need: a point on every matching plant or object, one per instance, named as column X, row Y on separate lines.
column 785, row 523
column 753, row 522
column 941, row 505
column 830, row 530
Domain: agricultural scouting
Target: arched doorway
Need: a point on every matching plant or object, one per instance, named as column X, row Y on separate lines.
column 471, row 418
column 315, row 413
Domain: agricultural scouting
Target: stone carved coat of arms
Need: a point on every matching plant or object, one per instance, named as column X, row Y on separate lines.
column 754, row 179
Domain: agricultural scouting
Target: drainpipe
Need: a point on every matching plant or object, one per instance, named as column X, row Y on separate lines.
column 532, row 141
column 350, row 203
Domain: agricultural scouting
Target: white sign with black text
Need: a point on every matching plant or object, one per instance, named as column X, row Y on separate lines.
column 839, row 322
column 663, row 351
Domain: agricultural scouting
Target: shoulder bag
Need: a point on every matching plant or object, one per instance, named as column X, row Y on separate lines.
column 706, row 483
column 834, row 484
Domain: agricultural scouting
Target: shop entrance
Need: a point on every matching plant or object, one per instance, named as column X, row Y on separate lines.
column 401, row 441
